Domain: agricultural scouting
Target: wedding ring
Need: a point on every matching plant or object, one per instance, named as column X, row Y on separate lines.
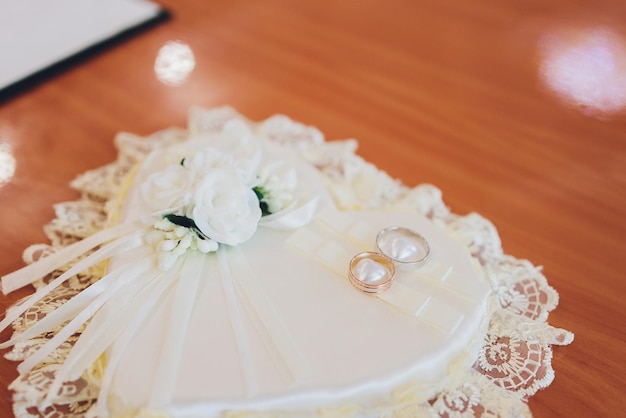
column 403, row 246
column 371, row 272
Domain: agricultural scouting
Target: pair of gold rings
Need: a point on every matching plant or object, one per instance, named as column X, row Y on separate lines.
column 372, row 272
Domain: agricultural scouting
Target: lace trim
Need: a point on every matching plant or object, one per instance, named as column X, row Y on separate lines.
column 513, row 364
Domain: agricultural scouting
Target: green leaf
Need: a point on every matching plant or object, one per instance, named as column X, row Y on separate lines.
column 185, row 222
column 259, row 192
column 180, row 220
column 264, row 208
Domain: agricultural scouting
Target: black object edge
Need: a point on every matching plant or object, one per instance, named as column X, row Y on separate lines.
column 31, row 81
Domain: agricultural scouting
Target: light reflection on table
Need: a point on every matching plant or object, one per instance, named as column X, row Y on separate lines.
column 7, row 164
column 174, row 63
column 586, row 67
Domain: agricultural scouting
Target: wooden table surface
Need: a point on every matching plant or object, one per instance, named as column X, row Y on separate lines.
column 515, row 109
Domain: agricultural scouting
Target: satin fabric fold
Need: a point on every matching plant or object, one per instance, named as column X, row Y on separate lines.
column 292, row 218
column 112, row 283
column 285, row 353
column 39, row 269
column 116, row 247
column 236, row 320
column 106, row 326
column 69, row 309
column 192, row 273
column 140, row 308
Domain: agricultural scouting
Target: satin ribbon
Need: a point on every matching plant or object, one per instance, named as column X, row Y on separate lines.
column 167, row 367
column 283, row 350
column 406, row 293
column 236, row 320
column 116, row 247
column 106, row 325
column 241, row 287
column 39, row 269
column 139, row 309
column 333, row 255
column 291, row 218
column 70, row 308
column 111, row 284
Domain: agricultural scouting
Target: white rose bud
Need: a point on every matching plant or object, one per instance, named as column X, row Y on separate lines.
column 206, row 245
column 168, row 190
column 168, row 245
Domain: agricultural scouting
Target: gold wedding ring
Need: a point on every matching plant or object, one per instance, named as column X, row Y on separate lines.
column 371, row 272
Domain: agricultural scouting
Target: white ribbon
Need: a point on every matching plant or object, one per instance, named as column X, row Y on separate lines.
column 139, row 309
column 241, row 286
column 164, row 381
column 106, row 325
column 39, row 269
column 283, row 350
column 334, row 256
column 70, row 308
column 109, row 250
column 236, row 320
column 68, row 330
column 112, row 283
column 289, row 218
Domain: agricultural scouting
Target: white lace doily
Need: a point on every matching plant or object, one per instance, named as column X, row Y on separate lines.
column 513, row 364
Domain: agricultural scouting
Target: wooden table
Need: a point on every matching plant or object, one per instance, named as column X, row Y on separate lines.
column 452, row 93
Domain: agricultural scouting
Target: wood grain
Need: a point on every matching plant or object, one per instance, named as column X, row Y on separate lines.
column 447, row 93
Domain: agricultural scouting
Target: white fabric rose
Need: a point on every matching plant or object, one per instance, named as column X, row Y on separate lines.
column 238, row 140
column 168, row 190
column 235, row 146
column 225, row 208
